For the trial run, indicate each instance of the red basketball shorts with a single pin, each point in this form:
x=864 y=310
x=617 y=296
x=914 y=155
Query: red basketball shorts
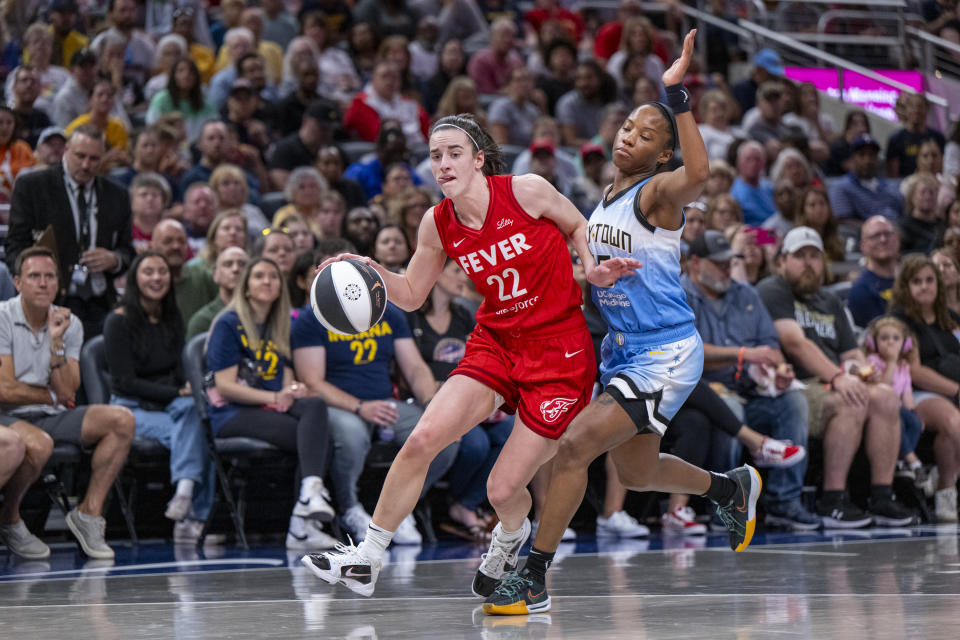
x=546 y=381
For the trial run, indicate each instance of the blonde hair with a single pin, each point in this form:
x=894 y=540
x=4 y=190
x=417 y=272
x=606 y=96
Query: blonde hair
x=447 y=106
x=873 y=330
x=224 y=171
x=278 y=320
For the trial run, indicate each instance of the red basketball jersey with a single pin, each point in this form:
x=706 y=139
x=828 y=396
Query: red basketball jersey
x=519 y=264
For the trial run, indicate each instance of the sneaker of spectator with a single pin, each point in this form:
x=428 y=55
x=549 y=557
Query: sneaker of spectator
x=89 y=532
x=21 y=542
x=356 y=520
x=682 y=520
x=887 y=512
x=792 y=515
x=407 y=532
x=620 y=525
x=945 y=501
x=778 y=453
x=839 y=512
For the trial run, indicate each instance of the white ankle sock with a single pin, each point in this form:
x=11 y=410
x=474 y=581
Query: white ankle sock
x=310 y=486
x=509 y=535
x=185 y=487
x=375 y=543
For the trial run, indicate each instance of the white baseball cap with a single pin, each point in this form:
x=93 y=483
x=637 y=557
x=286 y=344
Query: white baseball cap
x=800 y=237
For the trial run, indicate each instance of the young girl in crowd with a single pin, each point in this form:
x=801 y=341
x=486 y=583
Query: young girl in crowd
x=888 y=345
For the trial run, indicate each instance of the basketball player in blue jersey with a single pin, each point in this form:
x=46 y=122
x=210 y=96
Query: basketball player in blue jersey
x=652 y=354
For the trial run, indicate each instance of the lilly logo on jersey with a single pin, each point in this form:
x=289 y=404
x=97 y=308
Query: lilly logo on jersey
x=503 y=223
x=553 y=409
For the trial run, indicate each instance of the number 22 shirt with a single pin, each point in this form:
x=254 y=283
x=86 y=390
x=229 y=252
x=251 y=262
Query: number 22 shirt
x=357 y=364
x=227 y=347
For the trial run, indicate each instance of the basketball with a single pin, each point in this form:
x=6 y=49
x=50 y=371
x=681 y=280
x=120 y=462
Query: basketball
x=348 y=297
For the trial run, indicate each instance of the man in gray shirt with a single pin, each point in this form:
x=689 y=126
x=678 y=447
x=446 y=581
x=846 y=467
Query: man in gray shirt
x=39 y=377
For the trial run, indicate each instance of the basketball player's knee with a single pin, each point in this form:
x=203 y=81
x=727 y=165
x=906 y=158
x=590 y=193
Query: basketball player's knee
x=501 y=493
x=573 y=452
x=423 y=445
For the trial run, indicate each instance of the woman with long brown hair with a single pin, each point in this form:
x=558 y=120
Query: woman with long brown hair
x=919 y=299
x=814 y=211
x=254 y=393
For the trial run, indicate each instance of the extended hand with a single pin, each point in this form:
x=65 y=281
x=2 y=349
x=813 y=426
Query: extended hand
x=677 y=71
x=609 y=271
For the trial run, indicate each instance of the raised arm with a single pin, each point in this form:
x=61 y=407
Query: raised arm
x=539 y=199
x=410 y=289
x=670 y=191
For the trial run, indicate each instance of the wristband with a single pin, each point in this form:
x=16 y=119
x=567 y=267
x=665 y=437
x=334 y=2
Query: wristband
x=678 y=98
x=359 y=404
x=53 y=397
x=834 y=379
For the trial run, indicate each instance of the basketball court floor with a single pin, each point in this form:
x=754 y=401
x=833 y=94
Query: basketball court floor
x=884 y=584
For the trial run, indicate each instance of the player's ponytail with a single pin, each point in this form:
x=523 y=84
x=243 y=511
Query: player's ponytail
x=480 y=140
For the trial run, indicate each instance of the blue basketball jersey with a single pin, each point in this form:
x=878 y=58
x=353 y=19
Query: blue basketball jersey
x=651 y=302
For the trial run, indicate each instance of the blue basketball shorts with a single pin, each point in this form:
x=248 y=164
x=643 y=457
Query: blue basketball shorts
x=650 y=381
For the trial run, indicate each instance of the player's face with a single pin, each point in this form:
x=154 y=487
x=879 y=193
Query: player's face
x=641 y=141
x=453 y=162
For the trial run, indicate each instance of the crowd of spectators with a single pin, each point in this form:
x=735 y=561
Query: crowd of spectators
x=174 y=168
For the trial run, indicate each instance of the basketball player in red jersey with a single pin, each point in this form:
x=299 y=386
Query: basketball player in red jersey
x=530 y=351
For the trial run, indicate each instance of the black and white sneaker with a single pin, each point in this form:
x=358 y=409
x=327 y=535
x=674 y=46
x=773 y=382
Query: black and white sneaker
x=843 y=514
x=344 y=565
x=498 y=560
x=887 y=512
x=317 y=506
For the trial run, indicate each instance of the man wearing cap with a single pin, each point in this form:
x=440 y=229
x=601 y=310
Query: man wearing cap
x=30 y=120
x=62 y=15
x=739 y=339
x=862 y=193
x=50 y=147
x=300 y=148
x=767 y=65
x=543 y=162
x=819 y=342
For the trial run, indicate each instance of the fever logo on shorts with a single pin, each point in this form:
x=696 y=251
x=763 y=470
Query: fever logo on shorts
x=553 y=409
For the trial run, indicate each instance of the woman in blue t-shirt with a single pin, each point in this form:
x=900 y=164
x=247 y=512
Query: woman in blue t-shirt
x=254 y=394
